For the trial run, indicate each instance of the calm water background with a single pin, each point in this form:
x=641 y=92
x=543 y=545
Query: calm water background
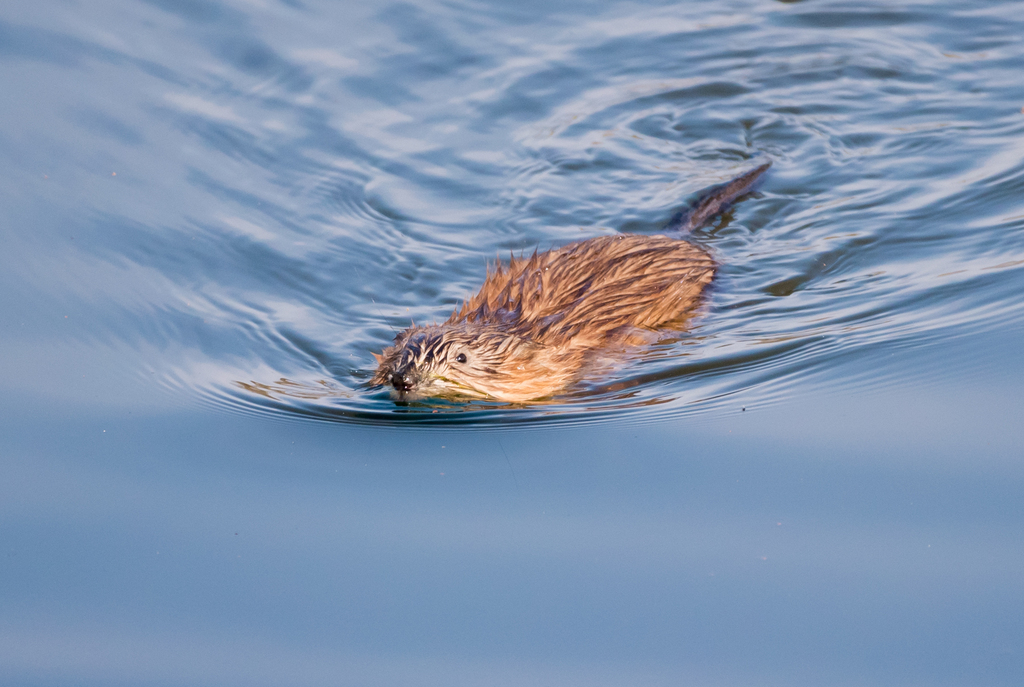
x=213 y=212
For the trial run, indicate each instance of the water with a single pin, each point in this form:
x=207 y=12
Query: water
x=214 y=212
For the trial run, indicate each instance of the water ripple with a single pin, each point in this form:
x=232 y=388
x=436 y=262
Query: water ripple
x=286 y=200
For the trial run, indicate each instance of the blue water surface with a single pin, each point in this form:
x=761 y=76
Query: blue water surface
x=213 y=212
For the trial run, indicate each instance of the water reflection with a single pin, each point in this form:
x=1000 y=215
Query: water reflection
x=286 y=388
x=215 y=211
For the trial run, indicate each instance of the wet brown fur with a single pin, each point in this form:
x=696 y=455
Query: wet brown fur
x=536 y=321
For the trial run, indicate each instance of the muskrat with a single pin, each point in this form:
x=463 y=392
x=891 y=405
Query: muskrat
x=537 y=321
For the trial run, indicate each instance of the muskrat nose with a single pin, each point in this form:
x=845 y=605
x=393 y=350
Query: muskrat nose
x=403 y=380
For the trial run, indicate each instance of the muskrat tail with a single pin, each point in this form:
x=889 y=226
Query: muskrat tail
x=713 y=201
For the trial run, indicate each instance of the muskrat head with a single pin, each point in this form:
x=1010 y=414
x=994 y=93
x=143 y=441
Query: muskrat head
x=464 y=360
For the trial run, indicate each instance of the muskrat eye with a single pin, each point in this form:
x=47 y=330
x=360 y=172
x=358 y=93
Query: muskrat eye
x=460 y=358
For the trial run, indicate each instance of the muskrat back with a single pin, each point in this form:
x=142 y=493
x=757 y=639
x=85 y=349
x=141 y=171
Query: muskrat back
x=535 y=322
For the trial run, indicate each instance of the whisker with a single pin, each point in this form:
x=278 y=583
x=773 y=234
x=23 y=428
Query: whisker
x=381 y=315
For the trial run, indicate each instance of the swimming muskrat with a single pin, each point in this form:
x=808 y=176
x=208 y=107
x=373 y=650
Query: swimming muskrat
x=537 y=321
